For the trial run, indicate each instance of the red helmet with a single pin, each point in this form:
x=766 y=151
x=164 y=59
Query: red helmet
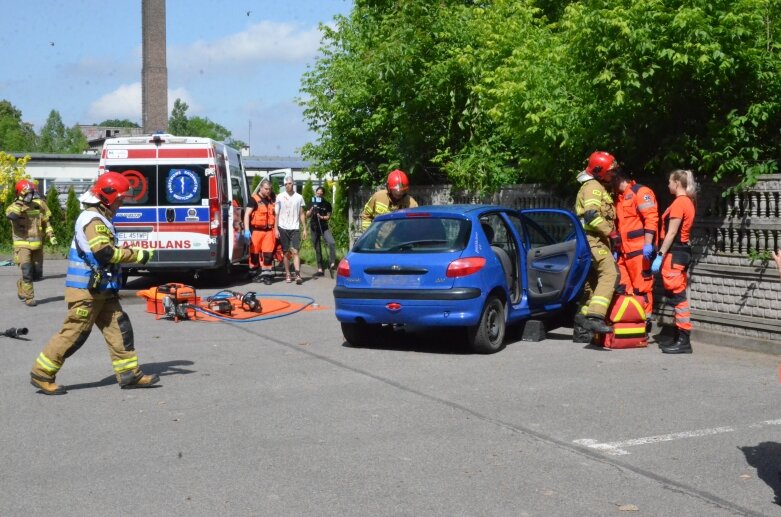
x=398 y=182
x=601 y=166
x=110 y=186
x=24 y=186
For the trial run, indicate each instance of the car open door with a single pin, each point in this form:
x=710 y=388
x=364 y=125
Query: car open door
x=557 y=257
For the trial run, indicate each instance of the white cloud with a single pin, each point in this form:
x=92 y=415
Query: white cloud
x=125 y=102
x=262 y=42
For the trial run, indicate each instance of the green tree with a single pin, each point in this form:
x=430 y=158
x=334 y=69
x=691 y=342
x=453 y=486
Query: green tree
x=480 y=94
x=52 y=137
x=75 y=141
x=72 y=211
x=57 y=216
x=11 y=171
x=115 y=122
x=15 y=135
x=179 y=124
x=308 y=191
x=255 y=182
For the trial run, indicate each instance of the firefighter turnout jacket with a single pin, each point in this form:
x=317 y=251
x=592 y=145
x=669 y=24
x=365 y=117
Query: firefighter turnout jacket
x=29 y=223
x=94 y=257
x=382 y=203
x=594 y=206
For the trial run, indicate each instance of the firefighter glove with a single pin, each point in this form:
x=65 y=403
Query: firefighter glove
x=657 y=265
x=648 y=252
x=143 y=256
x=247 y=235
x=53 y=240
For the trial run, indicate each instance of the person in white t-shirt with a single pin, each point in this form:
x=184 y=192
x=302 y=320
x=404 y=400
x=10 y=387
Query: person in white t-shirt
x=289 y=226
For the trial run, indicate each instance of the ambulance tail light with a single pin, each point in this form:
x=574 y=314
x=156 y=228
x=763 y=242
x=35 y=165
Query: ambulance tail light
x=215 y=218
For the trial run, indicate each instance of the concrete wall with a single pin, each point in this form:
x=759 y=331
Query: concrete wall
x=735 y=300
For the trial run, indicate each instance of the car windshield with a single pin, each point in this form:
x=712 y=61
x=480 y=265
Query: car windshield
x=415 y=235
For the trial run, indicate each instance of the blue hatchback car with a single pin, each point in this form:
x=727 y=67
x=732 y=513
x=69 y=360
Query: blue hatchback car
x=481 y=267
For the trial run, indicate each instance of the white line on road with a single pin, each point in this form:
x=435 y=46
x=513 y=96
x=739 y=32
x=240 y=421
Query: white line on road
x=617 y=448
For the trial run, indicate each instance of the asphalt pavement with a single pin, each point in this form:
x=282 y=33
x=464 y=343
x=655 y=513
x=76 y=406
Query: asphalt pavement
x=281 y=417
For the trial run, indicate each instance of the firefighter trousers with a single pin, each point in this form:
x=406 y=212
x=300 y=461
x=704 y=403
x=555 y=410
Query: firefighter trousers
x=601 y=282
x=636 y=278
x=30 y=264
x=84 y=311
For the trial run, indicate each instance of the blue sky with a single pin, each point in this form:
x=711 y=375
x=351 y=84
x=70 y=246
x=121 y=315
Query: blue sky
x=83 y=59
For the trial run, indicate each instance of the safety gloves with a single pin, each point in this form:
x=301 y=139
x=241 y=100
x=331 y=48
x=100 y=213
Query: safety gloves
x=247 y=235
x=143 y=256
x=657 y=264
x=53 y=240
x=648 y=252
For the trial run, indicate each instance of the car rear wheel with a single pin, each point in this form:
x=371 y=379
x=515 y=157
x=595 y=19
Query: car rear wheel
x=487 y=336
x=360 y=334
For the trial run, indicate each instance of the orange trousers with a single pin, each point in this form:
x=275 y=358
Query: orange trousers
x=675 y=279
x=637 y=279
x=261 y=249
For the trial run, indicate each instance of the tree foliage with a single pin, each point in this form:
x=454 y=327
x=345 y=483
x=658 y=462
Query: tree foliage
x=11 y=171
x=115 y=122
x=489 y=93
x=15 y=135
x=179 y=124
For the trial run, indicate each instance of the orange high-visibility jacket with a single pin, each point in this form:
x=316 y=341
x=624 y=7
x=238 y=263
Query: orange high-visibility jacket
x=638 y=215
x=263 y=216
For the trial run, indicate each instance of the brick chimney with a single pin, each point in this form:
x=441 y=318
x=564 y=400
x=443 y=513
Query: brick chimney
x=154 y=73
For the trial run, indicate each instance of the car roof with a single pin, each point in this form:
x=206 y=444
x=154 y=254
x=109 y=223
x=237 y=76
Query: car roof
x=445 y=210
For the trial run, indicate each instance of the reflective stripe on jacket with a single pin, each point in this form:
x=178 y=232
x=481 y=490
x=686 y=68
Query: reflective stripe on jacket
x=593 y=196
x=79 y=270
x=637 y=215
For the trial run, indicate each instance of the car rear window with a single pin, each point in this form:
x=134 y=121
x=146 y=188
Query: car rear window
x=415 y=235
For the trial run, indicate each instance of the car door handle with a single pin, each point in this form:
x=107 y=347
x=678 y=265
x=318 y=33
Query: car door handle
x=539 y=284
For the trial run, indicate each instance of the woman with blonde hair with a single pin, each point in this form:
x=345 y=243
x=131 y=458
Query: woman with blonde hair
x=675 y=255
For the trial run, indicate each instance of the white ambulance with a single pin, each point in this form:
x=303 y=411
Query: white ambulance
x=187 y=202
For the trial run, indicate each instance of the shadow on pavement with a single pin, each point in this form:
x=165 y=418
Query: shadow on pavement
x=162 y=369
x=766 y=458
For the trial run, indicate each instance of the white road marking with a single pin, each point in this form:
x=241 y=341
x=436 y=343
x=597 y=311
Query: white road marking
x=617 y=448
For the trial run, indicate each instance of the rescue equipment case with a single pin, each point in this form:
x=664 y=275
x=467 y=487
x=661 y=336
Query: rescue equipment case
x=627 y=318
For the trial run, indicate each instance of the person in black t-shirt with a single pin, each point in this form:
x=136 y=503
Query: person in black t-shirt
x=319 y=214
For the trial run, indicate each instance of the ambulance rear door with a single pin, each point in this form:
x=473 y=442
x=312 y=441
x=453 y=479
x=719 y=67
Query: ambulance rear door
x=169 y=210
x=238 y=248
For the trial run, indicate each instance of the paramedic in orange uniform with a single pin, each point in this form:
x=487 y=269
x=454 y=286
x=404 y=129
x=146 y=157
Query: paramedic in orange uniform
x=259 y=231
x=638 y=219
x=675 y=255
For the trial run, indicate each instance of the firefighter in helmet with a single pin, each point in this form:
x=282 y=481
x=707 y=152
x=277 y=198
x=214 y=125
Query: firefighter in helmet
x=29 y=218
x=394 y=197
x=91 y=291
x=594 y=206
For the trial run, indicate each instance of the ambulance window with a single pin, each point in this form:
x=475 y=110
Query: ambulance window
x=182 y=185
x=142 y=181
x=222 y=178
x=238 y=195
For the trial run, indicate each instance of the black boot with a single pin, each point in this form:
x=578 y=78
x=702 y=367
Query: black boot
x=682 y=344
x=597 y=324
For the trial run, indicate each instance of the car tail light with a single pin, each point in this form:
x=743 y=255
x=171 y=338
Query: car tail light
x=464 y=267
x=215 y=218
x=344 y=268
